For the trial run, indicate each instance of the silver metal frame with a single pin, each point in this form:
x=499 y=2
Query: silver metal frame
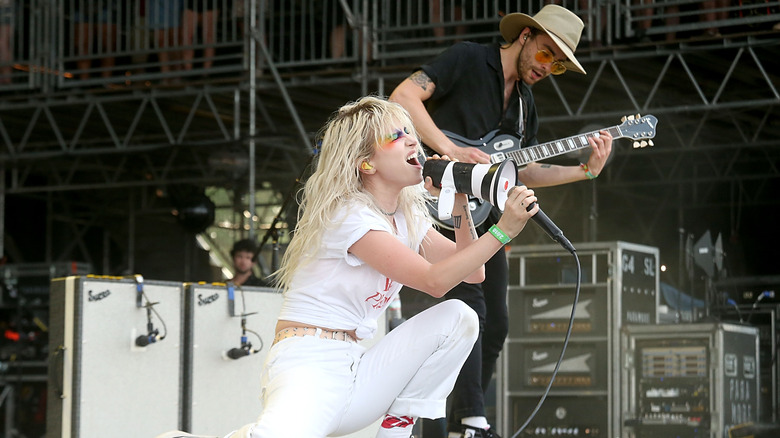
x=612 y=253
x=107 y=135
x=713 y=334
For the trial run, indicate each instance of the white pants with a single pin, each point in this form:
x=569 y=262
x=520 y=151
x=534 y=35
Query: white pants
x=315 y=387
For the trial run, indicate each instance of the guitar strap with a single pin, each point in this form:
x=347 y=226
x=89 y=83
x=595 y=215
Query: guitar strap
x=523 y=109
x=522 y=122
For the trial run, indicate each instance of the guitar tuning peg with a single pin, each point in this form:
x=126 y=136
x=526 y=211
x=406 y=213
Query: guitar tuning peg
x=642 y=144
x=638 y=116
x=636 y=144
x=623 y=119
x=631 y=117
x=650 y=143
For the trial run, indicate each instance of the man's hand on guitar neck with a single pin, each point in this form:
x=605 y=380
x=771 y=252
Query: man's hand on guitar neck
x=467 y=154
x=601 y=147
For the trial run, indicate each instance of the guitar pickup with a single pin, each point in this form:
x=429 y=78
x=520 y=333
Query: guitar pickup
x=497 y=158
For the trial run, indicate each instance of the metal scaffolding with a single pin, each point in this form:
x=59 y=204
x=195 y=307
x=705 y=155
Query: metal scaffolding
x=74 y=128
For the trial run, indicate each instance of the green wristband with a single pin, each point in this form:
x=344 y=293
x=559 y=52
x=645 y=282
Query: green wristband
x=499 y=235
x=588 y=173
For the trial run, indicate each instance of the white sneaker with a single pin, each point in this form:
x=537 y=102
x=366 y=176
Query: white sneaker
x=476 y=432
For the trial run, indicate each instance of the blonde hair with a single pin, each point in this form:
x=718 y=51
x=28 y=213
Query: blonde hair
x=350 y=137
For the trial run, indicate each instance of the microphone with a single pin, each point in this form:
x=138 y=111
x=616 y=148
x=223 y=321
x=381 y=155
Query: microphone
x=551 y=229
x=238 y=353
x=151 y=338
x=549 y=226
x=246 y=347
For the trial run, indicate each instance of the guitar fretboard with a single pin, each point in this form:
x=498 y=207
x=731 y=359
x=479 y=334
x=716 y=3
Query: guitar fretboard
x=558 y=147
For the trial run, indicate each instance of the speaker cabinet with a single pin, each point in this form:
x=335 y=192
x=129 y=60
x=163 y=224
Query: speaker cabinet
x=620 y=285
x=225 y=393
x=101 y=383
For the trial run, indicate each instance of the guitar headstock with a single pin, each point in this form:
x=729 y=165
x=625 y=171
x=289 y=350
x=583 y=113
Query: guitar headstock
x=638 y=128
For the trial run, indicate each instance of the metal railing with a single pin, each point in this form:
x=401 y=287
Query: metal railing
x=49 y=45
x=19 y=50
x=59 y=44
x=404 y=28
x=103 y=42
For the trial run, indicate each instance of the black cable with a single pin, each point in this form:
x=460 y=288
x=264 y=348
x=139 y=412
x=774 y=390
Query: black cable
x=726 y=302
x=244 y=330
x=739 y=314
x=273 y=232
x=260 y=348
x=563 y=350
x=150 y=307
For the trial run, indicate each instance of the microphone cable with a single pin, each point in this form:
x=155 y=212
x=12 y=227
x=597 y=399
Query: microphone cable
x=246 y=346
x=725 y=303
x=243 y=321
x=152 y=332
x=563 y=350
x=759 y=298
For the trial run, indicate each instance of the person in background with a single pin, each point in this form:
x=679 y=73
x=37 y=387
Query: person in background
x=714 y=11
x=203 y=14
x=95 y=32
x=7 y=16
x=244 y=254
x=642 y=25
x=470 y=90
x=164 y=18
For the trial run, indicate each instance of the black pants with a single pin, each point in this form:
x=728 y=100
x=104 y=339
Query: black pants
x=489 y=301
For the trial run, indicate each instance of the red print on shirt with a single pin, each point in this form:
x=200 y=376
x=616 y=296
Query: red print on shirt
x=379 y=299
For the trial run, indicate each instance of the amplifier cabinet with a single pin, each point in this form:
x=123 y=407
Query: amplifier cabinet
x=225 y=392
x=619 y=285
x=101 y=382
x=543 y=312
x=584 y=366
x=764 y=317
x=562 y=416
x=689 y=380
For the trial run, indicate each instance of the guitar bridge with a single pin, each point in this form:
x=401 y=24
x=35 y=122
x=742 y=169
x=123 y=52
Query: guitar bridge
x=498 y=157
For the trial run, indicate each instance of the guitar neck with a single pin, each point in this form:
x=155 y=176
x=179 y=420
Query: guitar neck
x=557 y=147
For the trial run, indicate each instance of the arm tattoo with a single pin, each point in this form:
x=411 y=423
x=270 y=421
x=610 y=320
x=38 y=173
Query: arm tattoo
x=457 y=222
x=471 y=226
x=545 y=165
x=421 y=79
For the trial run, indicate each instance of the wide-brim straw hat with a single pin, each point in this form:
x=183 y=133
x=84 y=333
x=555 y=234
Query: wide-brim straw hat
x=561 y=24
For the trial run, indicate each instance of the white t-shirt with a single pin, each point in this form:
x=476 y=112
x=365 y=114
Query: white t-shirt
x=337 y=290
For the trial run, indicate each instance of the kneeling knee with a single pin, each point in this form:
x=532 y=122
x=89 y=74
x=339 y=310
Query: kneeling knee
x=468 y=321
